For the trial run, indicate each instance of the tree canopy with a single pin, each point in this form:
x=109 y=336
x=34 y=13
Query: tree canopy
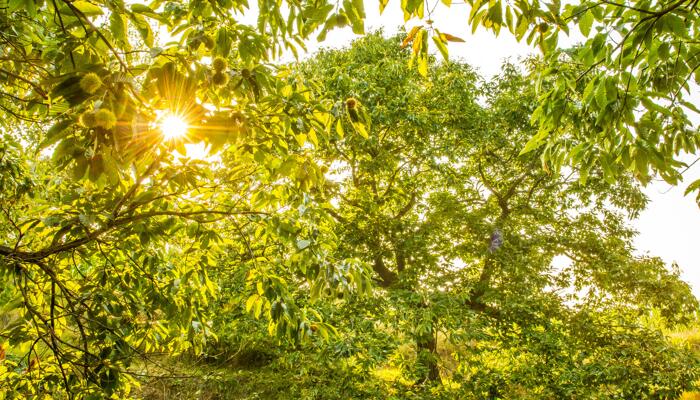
x=460 y=230
x=160 y=172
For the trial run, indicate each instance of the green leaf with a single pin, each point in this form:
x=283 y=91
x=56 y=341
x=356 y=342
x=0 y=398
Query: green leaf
x=585 y=23
x=521 y=28
x=690 y=106
x=118 y=27
x=142 y=9
x=57 y=132
x=356 y=21
x=223 y=42
x=608 y=173
x=588 y=91
x=509 y=18
x=695 y=185
x=495 y=15
x=649 y=104
x=576 y=153
x=413 y=7
x=144 y=29
x=359 y=7
x=316 y=288
x=287 y=167
x=601 y=95
x=534 y=142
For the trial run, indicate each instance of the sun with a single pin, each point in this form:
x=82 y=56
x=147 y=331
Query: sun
x=173 y=126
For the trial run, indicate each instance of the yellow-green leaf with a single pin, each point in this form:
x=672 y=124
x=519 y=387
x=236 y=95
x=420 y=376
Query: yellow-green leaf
x=87 y=8
x=250 y=302
x=441 y=46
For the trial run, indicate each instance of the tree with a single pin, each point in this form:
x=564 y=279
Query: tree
x=461 y=230
x=110 y=227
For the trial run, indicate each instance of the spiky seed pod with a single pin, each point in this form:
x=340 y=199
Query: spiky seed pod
x=105 y=119
x=219 y=64
x=87 y=119
x=351 y=105
x=90 y=82
x=219 y=79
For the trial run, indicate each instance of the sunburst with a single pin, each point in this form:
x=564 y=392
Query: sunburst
x=173 y=126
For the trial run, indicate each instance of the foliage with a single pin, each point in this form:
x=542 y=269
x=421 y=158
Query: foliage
x=461 y=231
x=110 y=228
x=120 y=243
x=619 y=100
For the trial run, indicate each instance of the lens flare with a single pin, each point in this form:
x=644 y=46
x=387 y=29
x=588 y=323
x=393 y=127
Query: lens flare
x=173 y=127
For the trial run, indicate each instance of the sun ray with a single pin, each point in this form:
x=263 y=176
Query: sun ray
x=173 y=126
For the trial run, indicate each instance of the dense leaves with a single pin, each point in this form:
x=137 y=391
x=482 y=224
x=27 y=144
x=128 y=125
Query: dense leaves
x=462 y=231
x=164 y=183
x=110 y=226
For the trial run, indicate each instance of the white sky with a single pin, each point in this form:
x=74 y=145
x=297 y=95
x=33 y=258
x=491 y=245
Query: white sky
x=668 y=228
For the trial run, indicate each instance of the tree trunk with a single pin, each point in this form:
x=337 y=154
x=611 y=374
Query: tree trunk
x=426 y=347
x=386 y=276
x=426 y=343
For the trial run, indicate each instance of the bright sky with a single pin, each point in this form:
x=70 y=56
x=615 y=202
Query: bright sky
x=668 y=228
